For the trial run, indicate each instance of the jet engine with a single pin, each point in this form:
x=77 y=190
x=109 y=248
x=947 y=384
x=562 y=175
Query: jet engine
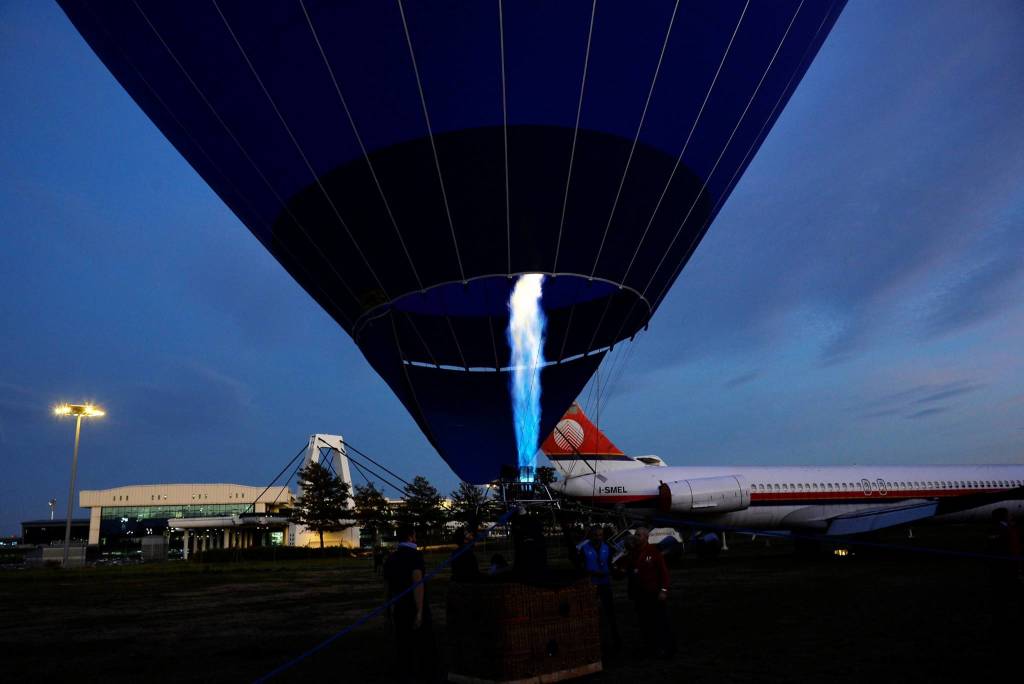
x=704 y=495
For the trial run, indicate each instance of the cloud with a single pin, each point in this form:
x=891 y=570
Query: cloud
x=907 y=402
x=880 y=413
x=191 y=396
x=953 y=391
x=927 y=412
x=742 y=379
x=981 y=294
x=862 y=214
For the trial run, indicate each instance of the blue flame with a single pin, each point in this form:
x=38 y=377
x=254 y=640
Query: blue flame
x=526 y=328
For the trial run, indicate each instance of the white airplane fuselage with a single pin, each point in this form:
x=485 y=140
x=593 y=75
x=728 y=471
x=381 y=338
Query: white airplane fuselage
x=760 y=497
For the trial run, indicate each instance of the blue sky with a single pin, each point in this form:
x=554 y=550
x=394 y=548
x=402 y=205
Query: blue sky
x=858 y=300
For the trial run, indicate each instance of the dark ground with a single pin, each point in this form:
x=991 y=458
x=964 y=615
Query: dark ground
x=756 y=613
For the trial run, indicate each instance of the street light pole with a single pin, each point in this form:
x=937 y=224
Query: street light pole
x=71 y=490
x=79 y=411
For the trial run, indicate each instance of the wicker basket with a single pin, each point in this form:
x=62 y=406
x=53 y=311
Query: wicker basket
x=510 y=632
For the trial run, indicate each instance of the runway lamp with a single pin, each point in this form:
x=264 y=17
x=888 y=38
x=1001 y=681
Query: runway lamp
x=79 y=411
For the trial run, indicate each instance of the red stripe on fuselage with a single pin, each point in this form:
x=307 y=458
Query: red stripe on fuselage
x=798 y=497
x=806 y=497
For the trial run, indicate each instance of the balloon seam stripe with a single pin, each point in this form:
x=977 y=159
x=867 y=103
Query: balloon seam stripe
x=575 y=134
x=252 y=162
x=362 y=145
x=298 y=148
x=430 y=135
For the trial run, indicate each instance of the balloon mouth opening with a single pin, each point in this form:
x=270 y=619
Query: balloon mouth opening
x=461 y=326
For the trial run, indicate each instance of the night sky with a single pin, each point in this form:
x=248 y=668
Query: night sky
x=858 y=300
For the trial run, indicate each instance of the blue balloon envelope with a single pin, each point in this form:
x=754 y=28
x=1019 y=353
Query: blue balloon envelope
x=404 y=161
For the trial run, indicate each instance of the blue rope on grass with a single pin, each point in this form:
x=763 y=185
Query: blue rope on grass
x=384 y=606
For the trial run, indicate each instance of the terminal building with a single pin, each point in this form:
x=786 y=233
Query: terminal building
x=199 y=517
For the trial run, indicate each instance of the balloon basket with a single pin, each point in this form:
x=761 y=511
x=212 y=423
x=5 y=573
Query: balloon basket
x=515 y=633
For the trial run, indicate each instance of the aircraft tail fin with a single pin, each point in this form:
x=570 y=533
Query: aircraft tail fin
x=577 y=446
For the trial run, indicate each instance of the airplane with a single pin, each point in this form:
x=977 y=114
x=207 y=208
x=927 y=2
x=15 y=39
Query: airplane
x=825 y=500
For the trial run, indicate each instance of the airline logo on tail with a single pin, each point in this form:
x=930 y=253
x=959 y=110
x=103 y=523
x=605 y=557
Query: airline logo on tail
x=575 y=438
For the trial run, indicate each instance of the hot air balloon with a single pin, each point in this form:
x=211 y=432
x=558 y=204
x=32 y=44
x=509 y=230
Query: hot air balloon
x=405 y=161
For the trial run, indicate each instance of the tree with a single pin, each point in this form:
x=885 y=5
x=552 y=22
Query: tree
x=323 y=506
x=423 y=507
x=545 y=475
x=372 y=510
x=469 y=504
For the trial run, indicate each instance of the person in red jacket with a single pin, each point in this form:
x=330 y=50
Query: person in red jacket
x=649 y=587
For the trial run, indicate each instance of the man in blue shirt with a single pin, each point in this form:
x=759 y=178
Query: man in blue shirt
x=597 y=560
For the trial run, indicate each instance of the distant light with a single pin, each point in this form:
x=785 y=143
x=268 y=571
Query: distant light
x=840 y=552
x=84 y=410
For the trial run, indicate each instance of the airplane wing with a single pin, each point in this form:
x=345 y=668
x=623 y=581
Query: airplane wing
x=878 y=518
x=871 y=519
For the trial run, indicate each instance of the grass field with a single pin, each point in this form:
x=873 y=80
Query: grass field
x=755 y=613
